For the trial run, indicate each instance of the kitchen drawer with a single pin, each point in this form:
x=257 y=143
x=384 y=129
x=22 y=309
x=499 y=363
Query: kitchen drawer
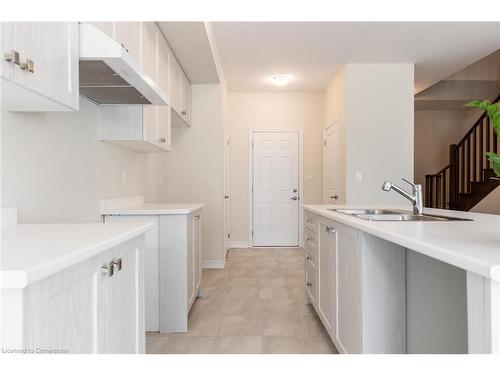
x=311 y=242
x=311 y=283
x=311 y=222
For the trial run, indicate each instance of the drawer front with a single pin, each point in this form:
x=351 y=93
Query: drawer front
x=311 y=241
x=311 y=222
x=311 y=283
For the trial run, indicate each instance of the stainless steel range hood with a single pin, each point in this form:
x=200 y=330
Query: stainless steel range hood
x=109 y=75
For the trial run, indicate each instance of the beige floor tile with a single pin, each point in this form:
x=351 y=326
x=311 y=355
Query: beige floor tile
x=156 y=344
x=239 y=325
x=205 y=307
x=203 y=326
x=271 y=265
x=241 y=292
x=213 y=292
x=242 y=272
x=279 y=307
x=314 y=325
x=275 y=293
x=246 y=306
x=298 y=293
x=284 y=345
x=295 y=281
x=191 y=345
x=321 y=345
x=305 y=309
x=270 y=272
x=239 y=345
x=242 y=281
x=298 y=272
x=243 y=265
x=292 y=266
x=274 y=325
x=269 y=282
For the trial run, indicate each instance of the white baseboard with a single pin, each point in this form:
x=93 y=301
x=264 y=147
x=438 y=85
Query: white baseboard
x=213 y=264
x=239 y=245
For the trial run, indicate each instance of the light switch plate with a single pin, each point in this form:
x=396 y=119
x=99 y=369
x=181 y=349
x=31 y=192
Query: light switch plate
x=358 y=176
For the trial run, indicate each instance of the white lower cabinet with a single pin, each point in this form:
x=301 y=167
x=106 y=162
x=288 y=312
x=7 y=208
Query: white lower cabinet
x=85 y=308
x=360 y=296
x=172 y=268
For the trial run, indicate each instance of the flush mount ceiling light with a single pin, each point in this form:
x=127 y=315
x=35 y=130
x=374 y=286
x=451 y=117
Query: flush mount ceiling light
x=282 y=79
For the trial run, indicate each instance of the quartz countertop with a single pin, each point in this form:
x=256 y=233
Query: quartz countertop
x=31 y=252
x=470 y=245
x=154 y=209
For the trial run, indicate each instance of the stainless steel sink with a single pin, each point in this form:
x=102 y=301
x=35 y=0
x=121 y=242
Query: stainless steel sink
x=393 y=215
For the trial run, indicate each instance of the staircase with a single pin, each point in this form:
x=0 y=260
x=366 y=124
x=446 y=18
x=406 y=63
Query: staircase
x=468 y=178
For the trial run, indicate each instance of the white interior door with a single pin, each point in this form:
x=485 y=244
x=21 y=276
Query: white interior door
x=227 y=225
x=275 y=188
x=331 y=163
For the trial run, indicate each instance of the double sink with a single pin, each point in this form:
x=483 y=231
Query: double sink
x=375 y=214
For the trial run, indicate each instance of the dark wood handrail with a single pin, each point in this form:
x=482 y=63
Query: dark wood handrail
x=468 y=164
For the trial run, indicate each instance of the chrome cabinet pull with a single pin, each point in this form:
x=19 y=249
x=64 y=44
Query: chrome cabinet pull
x=108 y=269
x=28 y=65
x=334 y=197
x=308 y=257
x=118 y=264
x=293 y=198
x=309 y=284
x=184 y=113
x=197 y=217
x=13 y=56
x=163 y=140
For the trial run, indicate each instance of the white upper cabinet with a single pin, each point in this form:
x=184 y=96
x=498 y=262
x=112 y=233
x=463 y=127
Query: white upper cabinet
x=129 y=35
x=174 y=83
x=40 y=66
x=163 y=57
x=150 y=49
x=107 y=28
x=185 y=95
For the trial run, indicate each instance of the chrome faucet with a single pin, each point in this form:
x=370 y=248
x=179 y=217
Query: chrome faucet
x=415 y=197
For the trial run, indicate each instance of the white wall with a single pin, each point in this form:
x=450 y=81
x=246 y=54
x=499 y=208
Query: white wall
x=194 y=170
x=378 y=130
x=266 y=111
x=55 y=169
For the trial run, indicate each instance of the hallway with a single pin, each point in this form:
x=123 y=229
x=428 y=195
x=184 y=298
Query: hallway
x=254 y=305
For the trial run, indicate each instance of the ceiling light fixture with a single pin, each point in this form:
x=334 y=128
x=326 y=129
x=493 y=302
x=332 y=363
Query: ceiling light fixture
x=282 y=79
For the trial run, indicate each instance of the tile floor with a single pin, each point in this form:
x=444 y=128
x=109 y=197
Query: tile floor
x=254 y=305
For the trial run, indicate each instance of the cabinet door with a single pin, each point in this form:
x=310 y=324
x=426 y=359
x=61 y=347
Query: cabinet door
x=174 y=83
x=55 y=55
x=7 y=44
x=190 y=261
x=164 y=127
x=129 y=35
x=150 y=123
x=327 y=276
x=163 y=56
x=150 y=49
x=185 y=94
x=124 y=328
x=349 y=292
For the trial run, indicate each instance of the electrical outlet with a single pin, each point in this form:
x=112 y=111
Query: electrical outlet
x=358 y=176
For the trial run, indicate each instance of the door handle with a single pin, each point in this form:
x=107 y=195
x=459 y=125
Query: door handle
x=294 y=198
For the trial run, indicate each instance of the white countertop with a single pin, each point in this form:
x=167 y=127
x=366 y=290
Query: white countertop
x=31 y=252
x=154 y=209
x=470 y=245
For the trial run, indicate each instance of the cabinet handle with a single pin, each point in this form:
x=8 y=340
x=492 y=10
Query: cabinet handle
x=28 y=65
x=184 y=113
x=197 y=217
x=108 y=269
x=163 y=140
x=125 y=48
x=308 y=257
x=309 y=284
x=13 y=56
x=334 y=197
x=118 y=263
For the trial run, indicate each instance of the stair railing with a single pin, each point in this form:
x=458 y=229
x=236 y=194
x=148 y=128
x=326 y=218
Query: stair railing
x=468 y=164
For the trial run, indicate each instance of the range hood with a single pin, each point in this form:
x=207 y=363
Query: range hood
x=109 y=75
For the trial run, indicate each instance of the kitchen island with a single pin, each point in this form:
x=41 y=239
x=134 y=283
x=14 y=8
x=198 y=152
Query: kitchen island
x=356 y=274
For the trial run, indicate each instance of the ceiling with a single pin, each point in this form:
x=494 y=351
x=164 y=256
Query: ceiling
x=189 y=43
x=250 y=52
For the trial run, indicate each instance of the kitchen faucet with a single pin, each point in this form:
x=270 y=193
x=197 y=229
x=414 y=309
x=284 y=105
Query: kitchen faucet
x=415 y=197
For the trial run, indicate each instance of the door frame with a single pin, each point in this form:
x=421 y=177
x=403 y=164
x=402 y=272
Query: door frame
x=226 y=150
x=251 y=132
x=325 y=182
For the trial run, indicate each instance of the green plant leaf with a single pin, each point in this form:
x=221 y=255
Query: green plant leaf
x=474 y=103
x=495 y=161
x=492 y=110
x=495 y=121
x=484 y=104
